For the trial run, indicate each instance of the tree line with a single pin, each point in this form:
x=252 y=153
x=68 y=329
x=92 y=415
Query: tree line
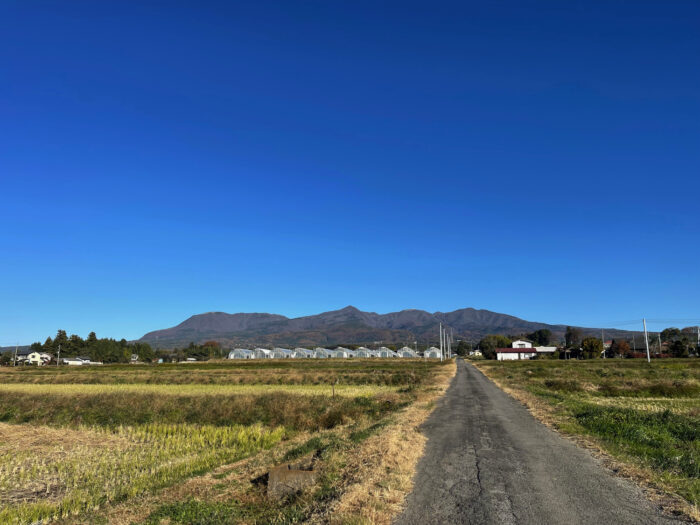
x=671 y=342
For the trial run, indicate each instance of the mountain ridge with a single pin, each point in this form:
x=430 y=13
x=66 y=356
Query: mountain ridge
x=348 y=325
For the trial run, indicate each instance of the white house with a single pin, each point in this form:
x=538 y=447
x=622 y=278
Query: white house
x=407 y=352
x=241 y=353
x=262 y=353
x=522 y=344
x=432 y=353
x=508 y=354
x=546 y=350
x=76 y=361
x=38 y=358
x=475 y=353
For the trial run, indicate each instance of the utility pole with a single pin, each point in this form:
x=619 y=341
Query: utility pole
x=441 y=353
x=646 y=340
x=58 y=359
x=602 y=338
x=14 y=361
x=659 y=338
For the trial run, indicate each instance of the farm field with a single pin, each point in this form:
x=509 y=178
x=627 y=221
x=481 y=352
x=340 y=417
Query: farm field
x=184 y=443
x=646 y=416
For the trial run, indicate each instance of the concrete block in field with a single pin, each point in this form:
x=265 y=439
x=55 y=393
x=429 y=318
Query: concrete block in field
x=290 y=478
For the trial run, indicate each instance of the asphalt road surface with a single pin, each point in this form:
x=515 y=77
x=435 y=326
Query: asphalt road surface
x=488 y=460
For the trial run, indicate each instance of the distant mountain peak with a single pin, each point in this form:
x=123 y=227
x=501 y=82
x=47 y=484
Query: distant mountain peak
x=348 y=325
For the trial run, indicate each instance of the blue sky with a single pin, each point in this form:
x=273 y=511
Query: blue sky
x=165 y=159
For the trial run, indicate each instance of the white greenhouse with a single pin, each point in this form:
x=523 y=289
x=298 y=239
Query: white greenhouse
x=262 y=353
x=303 y=353
x=283 y=353
x=241 y=353
x=407 y=352
x=322 y=353
x=363 y=352
x=387 y=352
x=432 y=353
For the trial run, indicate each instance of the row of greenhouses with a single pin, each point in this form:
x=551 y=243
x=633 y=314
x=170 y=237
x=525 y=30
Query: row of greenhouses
x=328 y=353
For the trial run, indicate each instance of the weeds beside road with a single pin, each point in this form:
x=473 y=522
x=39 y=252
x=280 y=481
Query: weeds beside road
x=645 y=415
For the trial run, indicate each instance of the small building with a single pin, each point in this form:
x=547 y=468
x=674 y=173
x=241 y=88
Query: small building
x=520 y=343
x=75 y=361
x=407 y=352
x=475 y=353
x=37 y=358
x=241 y=353
x=432 y=353
x=510 y=354
x=546 y=350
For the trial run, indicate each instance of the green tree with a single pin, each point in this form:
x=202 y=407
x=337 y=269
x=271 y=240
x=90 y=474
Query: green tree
x=540 y=337
x=489 y=344
x=669 y=335
x=573 y=337
x=60 y=339
x=5 y=358
x=462 y=348
x=679 y=348
x=592 y=347
x=620 y=347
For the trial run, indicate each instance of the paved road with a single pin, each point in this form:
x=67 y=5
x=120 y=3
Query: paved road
x=488 y=460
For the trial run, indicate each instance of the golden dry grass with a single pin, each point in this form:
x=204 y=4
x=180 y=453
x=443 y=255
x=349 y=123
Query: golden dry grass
x=195 y=389
x=379 y=474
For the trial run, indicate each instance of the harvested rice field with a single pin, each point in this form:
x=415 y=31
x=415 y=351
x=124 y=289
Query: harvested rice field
x=190 y=443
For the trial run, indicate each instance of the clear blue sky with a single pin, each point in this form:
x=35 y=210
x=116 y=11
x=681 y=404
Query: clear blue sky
x=164 y=159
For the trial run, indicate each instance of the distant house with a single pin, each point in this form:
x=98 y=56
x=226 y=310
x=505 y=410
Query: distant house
x=241 y=353
x=432 y=353
x=407 y=352
x=22 y=356
x=37 y=358
x=546 y=350
x=475 y=353
x=522 y=344
x=75 y=361
x=509 y=354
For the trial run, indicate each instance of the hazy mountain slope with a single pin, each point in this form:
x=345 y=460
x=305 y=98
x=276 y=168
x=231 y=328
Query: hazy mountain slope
x=347 y=325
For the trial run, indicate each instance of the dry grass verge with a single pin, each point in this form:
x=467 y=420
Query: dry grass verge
x=379 y=474
x=651 y=483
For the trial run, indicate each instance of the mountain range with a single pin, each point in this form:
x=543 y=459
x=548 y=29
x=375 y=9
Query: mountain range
x=348 y=326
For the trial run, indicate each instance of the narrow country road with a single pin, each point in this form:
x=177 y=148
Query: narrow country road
x=488 y=460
